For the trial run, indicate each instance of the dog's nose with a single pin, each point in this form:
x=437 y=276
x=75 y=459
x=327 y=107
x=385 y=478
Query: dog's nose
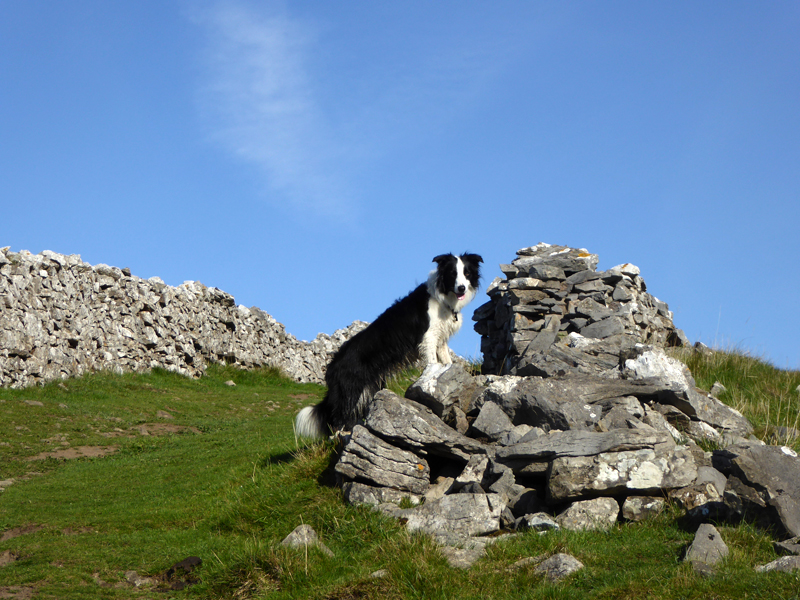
x=462 y=289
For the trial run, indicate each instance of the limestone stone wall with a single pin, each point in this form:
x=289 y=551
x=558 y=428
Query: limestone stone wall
x=61 y=317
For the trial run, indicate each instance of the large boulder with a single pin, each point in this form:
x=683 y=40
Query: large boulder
x=765 y=482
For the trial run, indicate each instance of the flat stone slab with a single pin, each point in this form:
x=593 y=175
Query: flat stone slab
x=456 y=515
x=410 y=425
x=580 y=443
x=786 y=564
x=367 y=457
x=637 y=472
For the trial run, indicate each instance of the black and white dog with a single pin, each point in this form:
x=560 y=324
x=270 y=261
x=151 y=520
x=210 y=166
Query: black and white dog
x=415 y=327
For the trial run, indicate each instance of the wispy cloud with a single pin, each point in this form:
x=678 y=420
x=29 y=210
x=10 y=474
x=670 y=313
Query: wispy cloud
x=260 y=102
x=265 y=102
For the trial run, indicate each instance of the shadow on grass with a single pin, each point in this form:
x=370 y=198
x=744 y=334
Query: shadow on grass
x=328 y=477
x=280 y=459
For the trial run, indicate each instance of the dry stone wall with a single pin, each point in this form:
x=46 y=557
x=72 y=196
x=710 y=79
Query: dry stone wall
x=61 y=317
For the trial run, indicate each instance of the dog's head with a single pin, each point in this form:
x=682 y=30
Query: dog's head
x=459 y=276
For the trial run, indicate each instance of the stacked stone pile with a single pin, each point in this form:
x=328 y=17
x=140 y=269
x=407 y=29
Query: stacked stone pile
x=61 y=317
x=474 y=456
x=554 y=313
x=579 y=420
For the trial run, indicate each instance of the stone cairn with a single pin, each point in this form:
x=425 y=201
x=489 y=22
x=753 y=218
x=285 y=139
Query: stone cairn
x=586 y=426
x=555 y=314
x=61 y=317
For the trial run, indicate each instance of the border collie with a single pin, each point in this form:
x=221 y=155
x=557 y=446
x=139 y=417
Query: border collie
x=415 y=327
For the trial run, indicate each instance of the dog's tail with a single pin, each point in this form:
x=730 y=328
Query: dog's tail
x=311 y=423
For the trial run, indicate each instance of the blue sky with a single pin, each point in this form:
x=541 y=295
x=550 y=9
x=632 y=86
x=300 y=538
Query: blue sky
x=311 y=158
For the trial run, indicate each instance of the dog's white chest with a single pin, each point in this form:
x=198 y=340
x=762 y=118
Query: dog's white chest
x=443 y=324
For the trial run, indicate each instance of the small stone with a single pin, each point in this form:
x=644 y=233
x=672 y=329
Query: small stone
x=790 y=546
x=707 y=549
x=304 y=536
x=786 y=564
x=137 y=580
x=640 y=508
x=558 y=566
x=379 y=574
x=462 y=558
x=717 y=389
x=540 y=522
x=230 y=383
x=600 y=513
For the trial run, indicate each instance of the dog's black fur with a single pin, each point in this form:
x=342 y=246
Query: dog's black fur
x=416 y=326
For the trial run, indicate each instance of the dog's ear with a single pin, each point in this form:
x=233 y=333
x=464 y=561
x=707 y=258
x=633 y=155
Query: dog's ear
x=442 y=258
x=475 y=258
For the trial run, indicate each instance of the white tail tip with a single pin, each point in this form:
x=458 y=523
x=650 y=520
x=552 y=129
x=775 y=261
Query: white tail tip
x=307 y=423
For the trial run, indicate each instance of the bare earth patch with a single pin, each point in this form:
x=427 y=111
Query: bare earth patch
x=298 y=397
x=164 y=429
x=77 y=452
x=16 y=592
x=18 y=531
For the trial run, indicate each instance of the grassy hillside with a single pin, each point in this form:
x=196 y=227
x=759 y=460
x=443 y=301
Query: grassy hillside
x=202 y=468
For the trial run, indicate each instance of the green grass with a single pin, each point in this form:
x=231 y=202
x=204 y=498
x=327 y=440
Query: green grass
x=232 y=483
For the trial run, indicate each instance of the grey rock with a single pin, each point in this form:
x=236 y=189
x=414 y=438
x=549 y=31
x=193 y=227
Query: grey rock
x=460 y=515
x=536 y=522
x=356 y=493
x=641 y=508
x=702 y=500
x=410 y=425
x=640 y=472
x=444 y=387
x=474 y=471
x=599 y=513
x=787 y=564
x=568 y=403
x=516 y=434
x=603 y=329
x=571 y=260
x=491 y=423
x=654 y=366
x=546 y=271
x=558 y=566
x=706 y=474
x=304 y=536
x=368 y=458
x=706 y=550
x=579 y=443
x=790 y=546
x=462 y=558
x=773 y=475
